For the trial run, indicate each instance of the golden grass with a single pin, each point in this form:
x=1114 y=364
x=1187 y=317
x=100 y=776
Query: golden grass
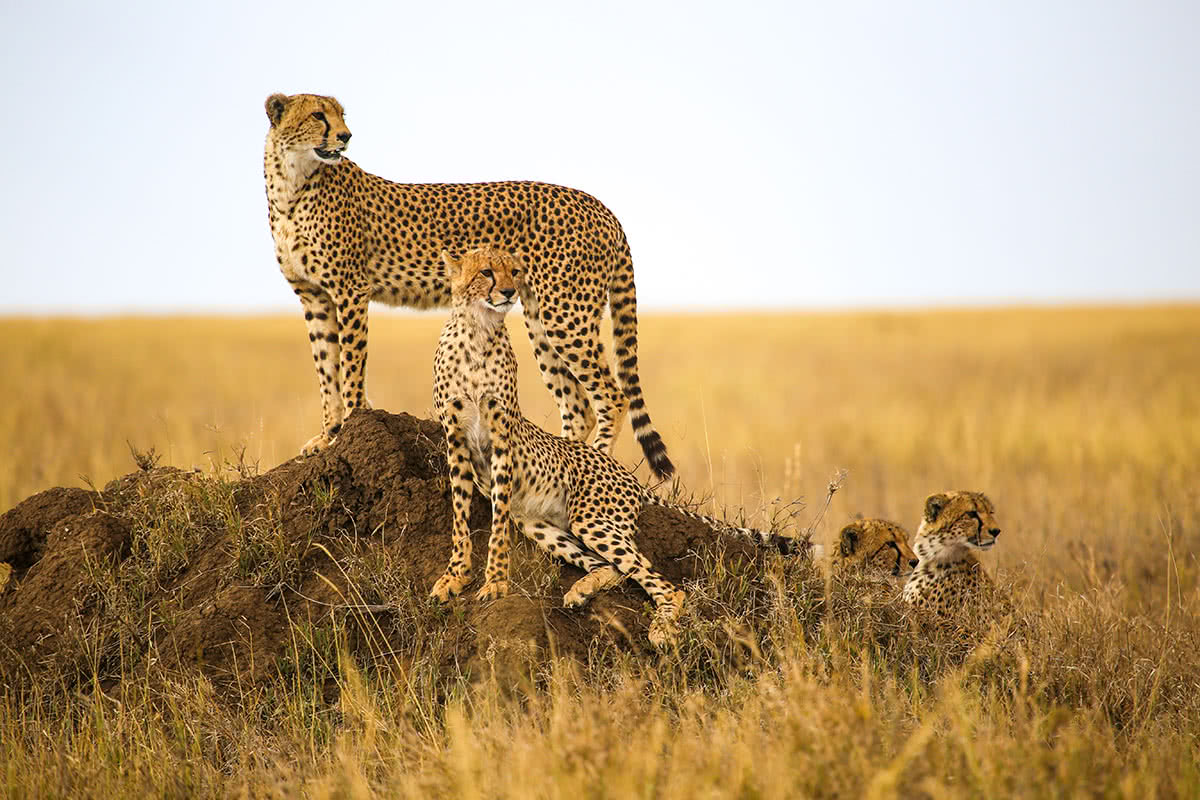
x=1083 y=425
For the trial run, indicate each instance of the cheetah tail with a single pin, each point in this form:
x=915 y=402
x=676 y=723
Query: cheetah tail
x=623 y=303
x=785 y=545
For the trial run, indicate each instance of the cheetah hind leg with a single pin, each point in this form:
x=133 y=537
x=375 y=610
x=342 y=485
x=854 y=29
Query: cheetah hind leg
x=601 y=574
x=615 y=540
x=598 y=580
x=578 y=418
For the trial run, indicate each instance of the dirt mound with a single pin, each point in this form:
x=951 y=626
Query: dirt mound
x=237 y=578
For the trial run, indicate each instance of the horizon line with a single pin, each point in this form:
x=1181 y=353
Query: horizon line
x=915 y=307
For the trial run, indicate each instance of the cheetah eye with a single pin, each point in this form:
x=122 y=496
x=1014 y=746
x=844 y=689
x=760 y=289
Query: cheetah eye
x=516 y=272
x=319 y=115
x=487 y=273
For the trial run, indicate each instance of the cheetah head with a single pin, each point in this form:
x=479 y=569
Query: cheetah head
x=308 y=125
x=485 y=278
x=956 y=519
x=874 y=545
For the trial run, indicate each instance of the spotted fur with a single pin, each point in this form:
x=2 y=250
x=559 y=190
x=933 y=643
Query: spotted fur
x=948 y=576
x=344 y=237
x=575 y=501
x=877 y=546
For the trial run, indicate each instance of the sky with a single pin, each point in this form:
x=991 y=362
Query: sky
x=759 y=155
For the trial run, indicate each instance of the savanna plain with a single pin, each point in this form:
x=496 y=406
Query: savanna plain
x=1081 y=424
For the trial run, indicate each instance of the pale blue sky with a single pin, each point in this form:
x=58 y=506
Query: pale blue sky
x=758 y=154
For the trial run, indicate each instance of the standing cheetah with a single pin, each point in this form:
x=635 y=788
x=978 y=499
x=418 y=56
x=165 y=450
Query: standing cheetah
x=948 y=573
x=575 y=501
x=344 y=237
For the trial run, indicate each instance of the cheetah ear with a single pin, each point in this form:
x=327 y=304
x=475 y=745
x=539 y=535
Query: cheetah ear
x=934 y=505
x=453 y=268
x=276 y=105
x=849 y=541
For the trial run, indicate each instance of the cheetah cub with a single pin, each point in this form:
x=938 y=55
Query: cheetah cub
x=948 y=574
x=876 y=546
x=573 y=500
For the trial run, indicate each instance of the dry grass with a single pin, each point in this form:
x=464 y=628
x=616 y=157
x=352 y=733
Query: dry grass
x=1082 y=424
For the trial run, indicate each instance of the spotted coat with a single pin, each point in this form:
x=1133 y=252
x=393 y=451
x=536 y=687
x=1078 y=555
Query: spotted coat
x=344 y=237
x=948 y=576
x=875 y=545
x=573 y=500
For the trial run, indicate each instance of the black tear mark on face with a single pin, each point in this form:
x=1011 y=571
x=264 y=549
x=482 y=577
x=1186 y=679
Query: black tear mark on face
x=319 y=116
x=896 y=549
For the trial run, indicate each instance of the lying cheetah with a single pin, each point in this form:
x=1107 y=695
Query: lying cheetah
x=575 y=501
x=948 y=574
x=344 y=237
x=875 y=545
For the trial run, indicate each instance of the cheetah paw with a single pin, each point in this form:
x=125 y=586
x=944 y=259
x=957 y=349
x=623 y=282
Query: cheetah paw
x=492 y=590
x=662 y=633
x=317 y=443
x=590 y=585
x=663 y=629
x=449 y=585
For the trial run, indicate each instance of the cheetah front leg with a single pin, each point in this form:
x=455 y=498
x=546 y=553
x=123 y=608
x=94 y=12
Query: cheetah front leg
x=500 y=430
x=462 y=485
x=320 y=317
x=352 y=365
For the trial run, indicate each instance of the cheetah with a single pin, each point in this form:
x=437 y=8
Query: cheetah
x=948 y=574
x=344 y=237
x=874 y=545
x=573 y=500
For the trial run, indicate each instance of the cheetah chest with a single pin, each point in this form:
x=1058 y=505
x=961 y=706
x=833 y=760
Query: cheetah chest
x=291 y=248
x=479 y=441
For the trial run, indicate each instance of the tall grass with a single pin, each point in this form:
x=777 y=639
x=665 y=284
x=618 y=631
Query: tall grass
x=1082 y=424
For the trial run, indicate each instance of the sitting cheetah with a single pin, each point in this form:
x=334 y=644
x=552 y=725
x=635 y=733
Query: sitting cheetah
x=876 y=545
x=344 y=237
x=575 y=501
x=948 y=574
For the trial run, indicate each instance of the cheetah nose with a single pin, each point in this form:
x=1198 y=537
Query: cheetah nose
x=912 y=562
x=344 y=137
x=994 y=532
x=508 y=293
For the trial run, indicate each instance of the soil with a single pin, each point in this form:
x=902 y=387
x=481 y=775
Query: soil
x=378 y=495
